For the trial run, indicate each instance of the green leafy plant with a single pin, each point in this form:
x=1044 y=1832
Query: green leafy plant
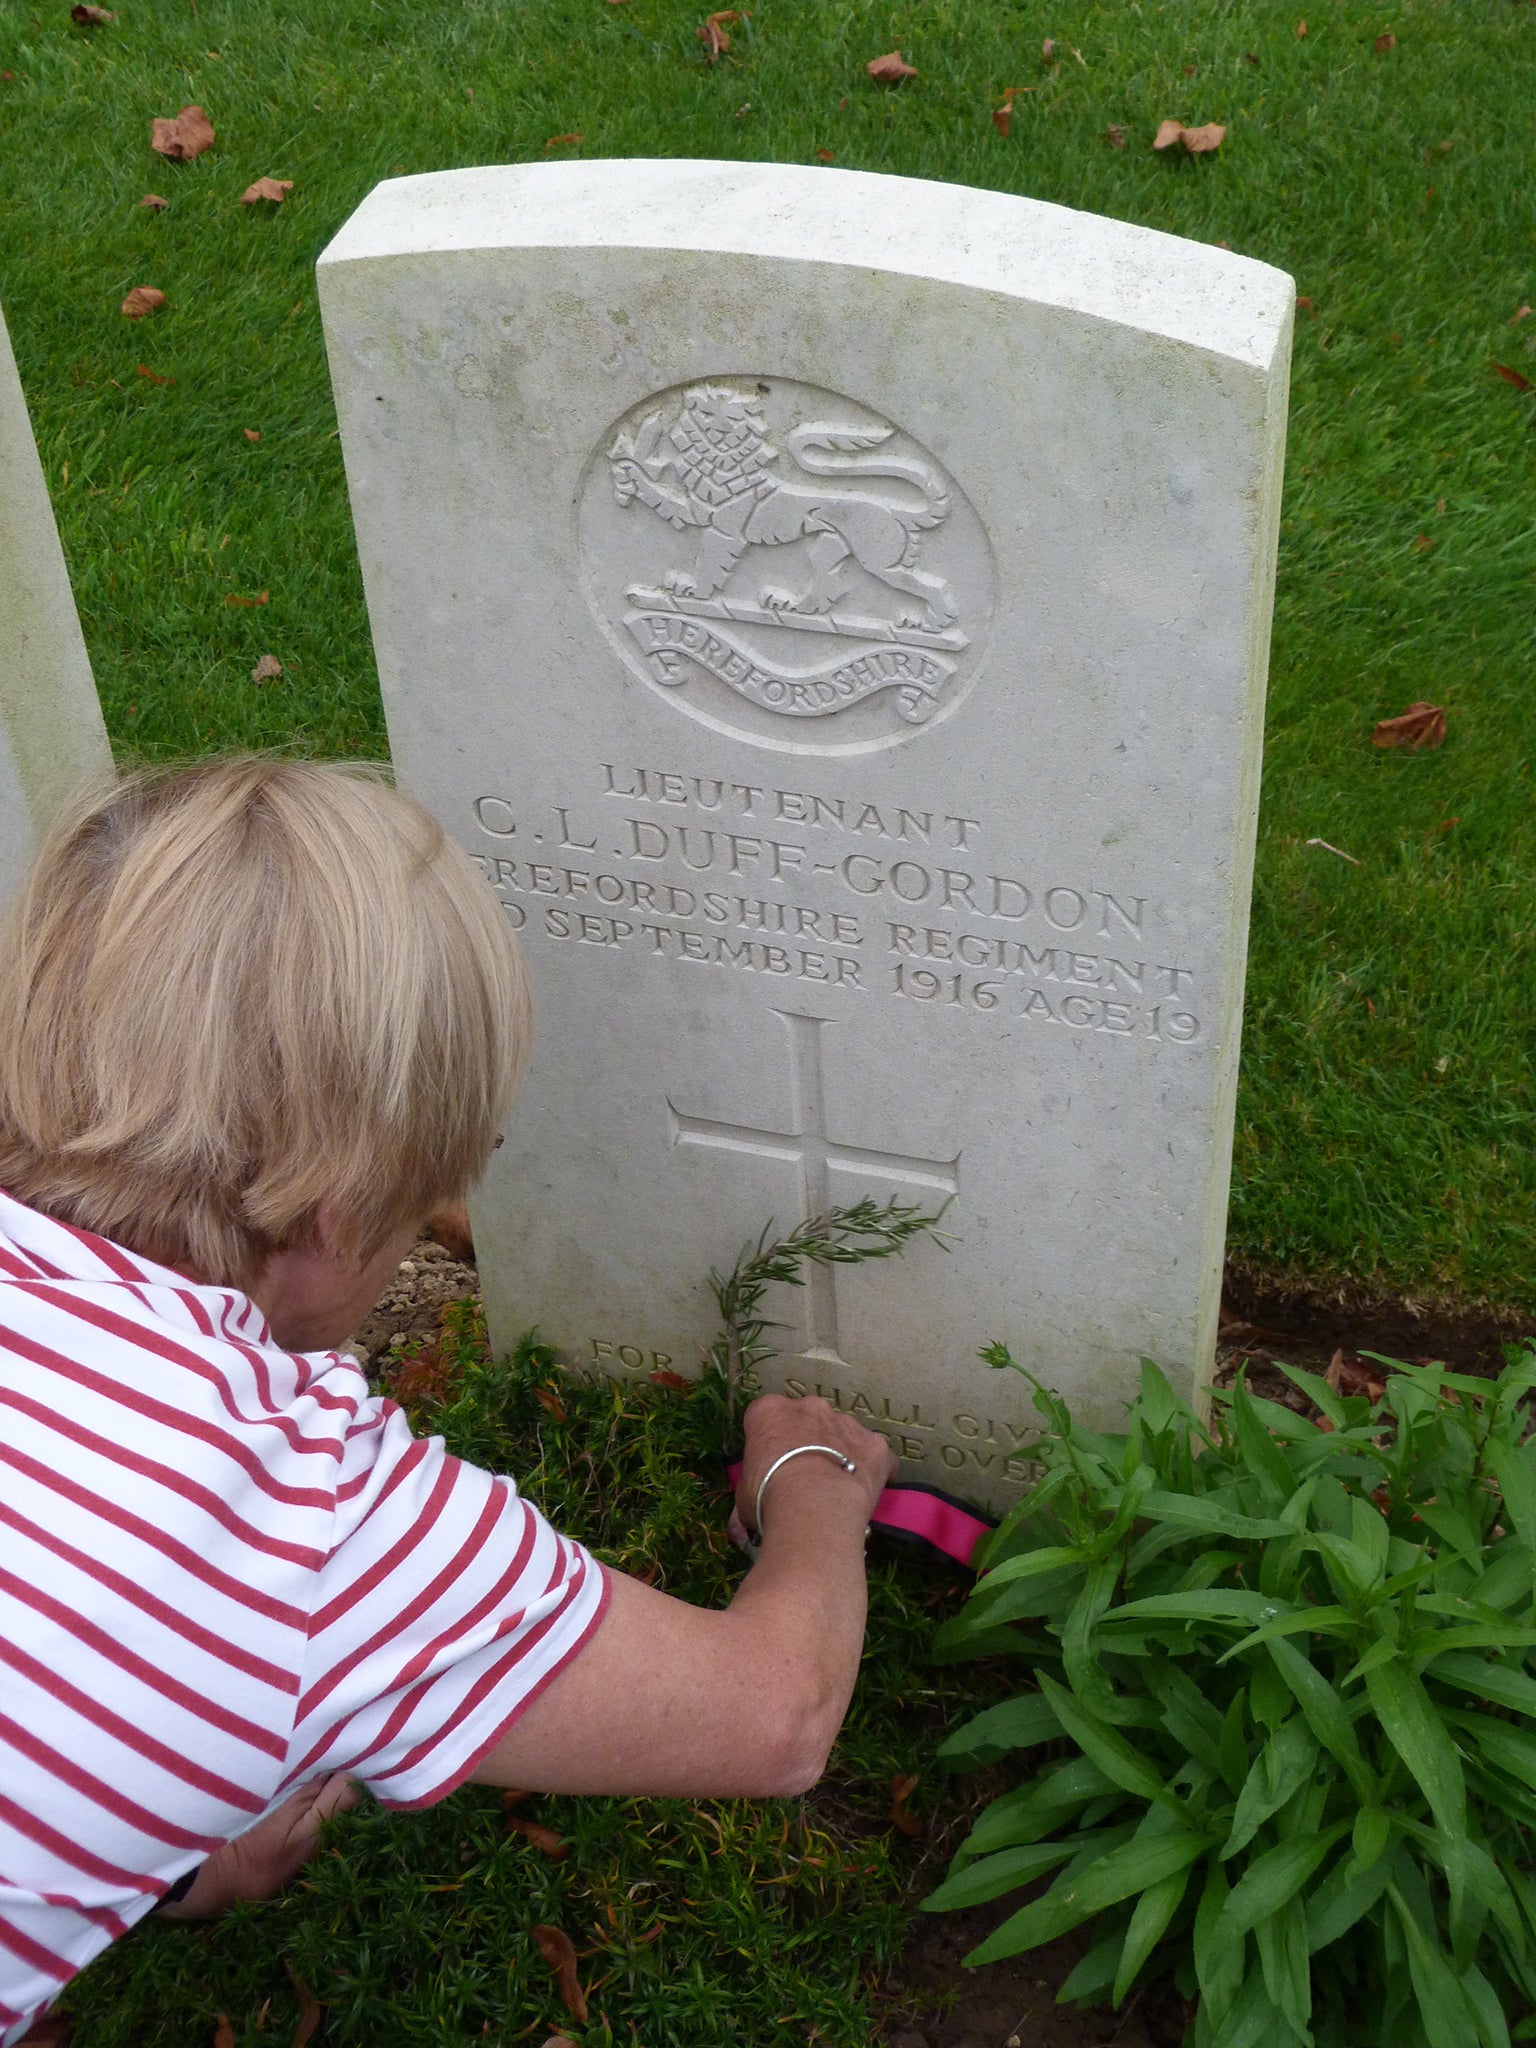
x=849 y=1236
x=1287 y=1676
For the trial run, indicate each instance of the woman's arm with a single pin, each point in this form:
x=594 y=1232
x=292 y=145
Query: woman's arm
x=669 y=1699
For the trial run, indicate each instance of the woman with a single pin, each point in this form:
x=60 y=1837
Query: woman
x=257 y=1019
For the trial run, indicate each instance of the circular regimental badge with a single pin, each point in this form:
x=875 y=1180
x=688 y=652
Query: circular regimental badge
x=786 y=565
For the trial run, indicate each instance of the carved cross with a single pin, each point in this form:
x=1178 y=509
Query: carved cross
x=809 y=1147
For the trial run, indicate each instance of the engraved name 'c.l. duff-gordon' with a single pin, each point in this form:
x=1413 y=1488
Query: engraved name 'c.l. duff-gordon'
x=711 y=471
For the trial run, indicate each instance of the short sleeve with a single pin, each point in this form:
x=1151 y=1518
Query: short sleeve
x=445 y=1607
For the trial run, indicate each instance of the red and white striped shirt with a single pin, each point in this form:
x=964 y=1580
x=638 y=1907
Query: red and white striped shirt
x=225 y=1569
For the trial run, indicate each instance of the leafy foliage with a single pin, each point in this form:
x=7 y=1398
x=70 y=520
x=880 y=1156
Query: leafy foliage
x=1287 y=1672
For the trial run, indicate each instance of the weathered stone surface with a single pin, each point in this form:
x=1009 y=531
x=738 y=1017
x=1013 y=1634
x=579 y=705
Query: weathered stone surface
x=835 y=611
x=51 y=732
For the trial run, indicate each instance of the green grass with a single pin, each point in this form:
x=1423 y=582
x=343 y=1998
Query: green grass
x=696 y=1925
x=1385 y=1119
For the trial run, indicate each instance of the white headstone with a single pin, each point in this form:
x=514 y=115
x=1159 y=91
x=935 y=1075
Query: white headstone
x=835 y=610
x=51 y=731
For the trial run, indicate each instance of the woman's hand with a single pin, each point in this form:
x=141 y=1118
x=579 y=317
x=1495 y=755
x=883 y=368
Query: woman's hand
x=775 y=1424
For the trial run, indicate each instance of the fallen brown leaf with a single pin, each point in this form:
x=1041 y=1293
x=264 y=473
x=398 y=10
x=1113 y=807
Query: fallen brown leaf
x=1168 y=133
x=223 y=2033
x=551 y=1403
x=151 y=376
x=262 y=597
x=1201 y=141
x=1335 y=1370
x=1523 y=313
x=674 y=1380
x=890 y=69
x=449 y=1225
x=543 y=1839
x=1423 y=543
x=144 y=298
x=310 y=2009
x=559 y=1952
x=275 y=189
x=1301 y=31
x=1421 y=725
x=564 y=2040
x=91 y=17
x=251 y=433
x=1384 y=43
x=1002 y=117
x=711 y=32
x=1048 y=51
x=902 y=1788
x=1114 y=135
x=267 y=669
x=565 y=141
x=154 y=202
x=826 y=156
x=184 y=138
x=1511 y=376
x=1304 y=306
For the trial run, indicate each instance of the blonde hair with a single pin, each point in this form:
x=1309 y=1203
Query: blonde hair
x=232 y=992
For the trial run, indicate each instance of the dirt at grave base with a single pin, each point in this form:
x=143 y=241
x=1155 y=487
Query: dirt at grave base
x=1011 y=2004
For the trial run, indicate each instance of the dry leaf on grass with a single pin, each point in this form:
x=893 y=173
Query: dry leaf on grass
x=1384 y=43
x=890 y=69
x=711 y=32
x=558 y=1951
x=1168 y=133
x=184 y=138
x=267 y=670
x=1201 y=141
x=1304 y=306
x=310 y=2009
x=91 y=17
x=1421 y=725
x=564 y=2040
x=662 y=1378
x=262 y=597
x=1301 y=30
x=1521 y=383
x=551 y=1403
x=903 y=1785
x=144 y=298
x=543 y=1839
x=1114 y=135
x=565 y=141
x=1523 y=313
x=151 y=376
x=275 y=189
x=154 y=202
x=223 y=2033
x=1002 y=117
x=826 y=156
x=251 y=433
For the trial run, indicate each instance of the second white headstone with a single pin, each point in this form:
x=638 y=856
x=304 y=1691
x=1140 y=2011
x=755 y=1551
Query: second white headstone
x=51 y=731
x=835 y=610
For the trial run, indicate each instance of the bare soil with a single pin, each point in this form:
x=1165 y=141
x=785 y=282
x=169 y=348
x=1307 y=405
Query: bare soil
x=930 y=2000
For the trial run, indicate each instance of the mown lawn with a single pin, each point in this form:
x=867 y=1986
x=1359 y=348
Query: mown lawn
x=1385 y=1122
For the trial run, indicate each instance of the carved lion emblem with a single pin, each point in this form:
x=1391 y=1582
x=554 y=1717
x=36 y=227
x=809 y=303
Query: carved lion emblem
x=824 y=566
x=717 y=476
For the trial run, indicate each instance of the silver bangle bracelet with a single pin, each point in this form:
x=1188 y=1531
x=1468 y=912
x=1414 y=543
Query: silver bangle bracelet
x=783 y=1459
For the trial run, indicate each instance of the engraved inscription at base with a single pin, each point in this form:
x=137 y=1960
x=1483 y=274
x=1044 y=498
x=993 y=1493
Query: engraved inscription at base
x=785 y=565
